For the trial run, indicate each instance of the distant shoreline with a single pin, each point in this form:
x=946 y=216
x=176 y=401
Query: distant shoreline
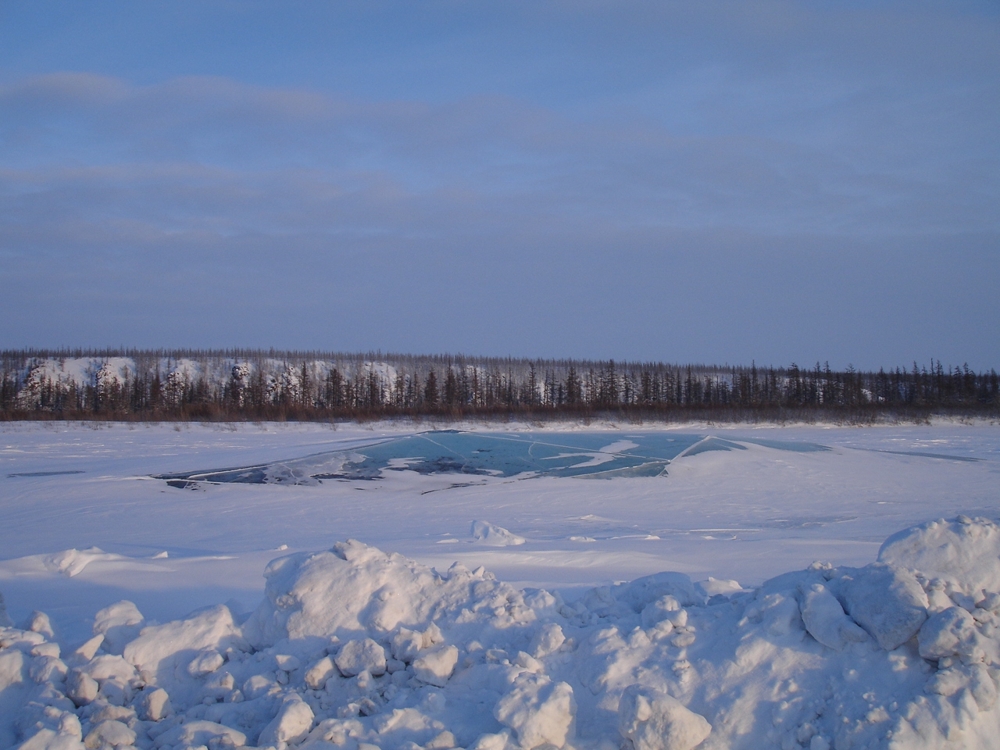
x=246 y=385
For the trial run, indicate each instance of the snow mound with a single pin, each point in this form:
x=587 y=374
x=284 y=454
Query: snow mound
x=494 y=536
x=353 y=590
x=963 y=552
x=72 y=562
x=357 y=648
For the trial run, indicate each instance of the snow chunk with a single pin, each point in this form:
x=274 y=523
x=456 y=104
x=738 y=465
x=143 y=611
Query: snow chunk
x=12 y=668
x=109 y=733
x=48 y=668
x=87 y=651
x=953 y=632
x=359 y=656
x=719 y=587
x=81 y=688
x=292 y=723
x=538 y=710
x=287 y=662
x=825 y=620
x=886 y=601
x=547 y=640
x=205 y=663
x=972 y=677
x=154 y=705
x=39 y=622
x=435 y=667
x=653 y=720
x=163 y=652
x=961 y=550
x=407 y=644
x=110 y=667
x=49 y=739
x=200 y=733
x=119 y=623
x=643 y=591
x=494 y=536
x=665 y=609
x=317 y=675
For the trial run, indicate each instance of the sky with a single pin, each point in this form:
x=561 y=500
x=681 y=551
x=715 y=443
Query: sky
x=715 y=182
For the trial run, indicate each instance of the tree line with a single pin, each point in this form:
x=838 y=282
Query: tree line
x=272 y=385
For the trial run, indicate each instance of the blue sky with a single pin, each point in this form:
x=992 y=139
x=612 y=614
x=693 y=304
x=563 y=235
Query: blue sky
x=694 y=182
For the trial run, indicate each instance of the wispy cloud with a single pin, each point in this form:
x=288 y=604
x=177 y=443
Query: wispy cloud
x=640 y=141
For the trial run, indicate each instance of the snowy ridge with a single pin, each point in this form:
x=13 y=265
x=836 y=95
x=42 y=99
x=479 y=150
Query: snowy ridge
x=357 y=648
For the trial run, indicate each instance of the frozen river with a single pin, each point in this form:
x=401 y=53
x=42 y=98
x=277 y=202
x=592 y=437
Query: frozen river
x=570 y=587
x=737 y=502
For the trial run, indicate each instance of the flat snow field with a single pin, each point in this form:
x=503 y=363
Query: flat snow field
x=85 y=523
x=745 y=515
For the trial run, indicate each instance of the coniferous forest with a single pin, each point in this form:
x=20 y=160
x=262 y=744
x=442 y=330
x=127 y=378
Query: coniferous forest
x=304 y=385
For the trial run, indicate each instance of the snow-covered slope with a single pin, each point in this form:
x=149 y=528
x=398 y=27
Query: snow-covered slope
x=353 y=647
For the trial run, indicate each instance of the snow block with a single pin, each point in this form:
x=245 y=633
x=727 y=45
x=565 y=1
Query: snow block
x=435 y=667
x=547 y=640
x=665 y=609
x=110 y=667
x=951 y=632
x=201 y=733
x=109 y=733
x=13 y=668
x=962 y=550
x=88 y=650
x=825 y=619
x=972 y=677
x=162 y=653
x=650 y=719
x=48 y=669
x=317 y=675
x=205 y=663
x=407 y=644
x=886 y=601
x=641 y=592
x=494 y=536
x=81 y=688
x=39 y=622
x=154 y=705
x=119 y=623
x=49 y=739
x=292 y=724
x=360 y=656
x=538 y=710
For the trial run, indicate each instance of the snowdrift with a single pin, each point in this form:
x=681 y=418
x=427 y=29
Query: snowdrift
x=359 y=649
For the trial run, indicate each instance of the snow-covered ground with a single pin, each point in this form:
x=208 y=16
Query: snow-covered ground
x=526 y=635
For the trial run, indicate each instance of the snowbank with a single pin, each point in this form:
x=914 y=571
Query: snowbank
x=356 y=648
x=490 y=534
